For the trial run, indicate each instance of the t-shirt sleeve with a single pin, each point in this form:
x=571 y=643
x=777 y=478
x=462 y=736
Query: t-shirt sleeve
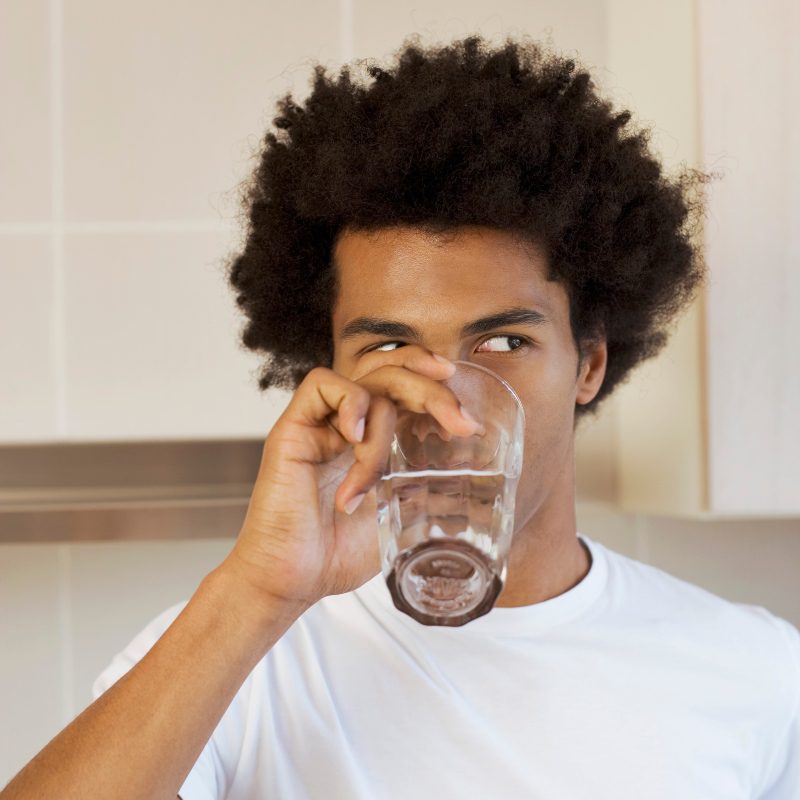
x=783 y=775
x=207 y=778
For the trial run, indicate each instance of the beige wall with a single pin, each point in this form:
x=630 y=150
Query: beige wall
x=183 y=90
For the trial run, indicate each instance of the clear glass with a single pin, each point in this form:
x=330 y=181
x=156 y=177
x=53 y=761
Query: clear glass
x=446 y=503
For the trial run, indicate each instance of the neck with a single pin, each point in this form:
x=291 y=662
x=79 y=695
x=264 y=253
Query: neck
x=547 y=558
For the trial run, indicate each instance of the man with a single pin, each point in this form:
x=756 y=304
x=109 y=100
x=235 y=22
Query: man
x=479 y=205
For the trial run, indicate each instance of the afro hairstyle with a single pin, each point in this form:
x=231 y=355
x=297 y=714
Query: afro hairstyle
x=513 y=137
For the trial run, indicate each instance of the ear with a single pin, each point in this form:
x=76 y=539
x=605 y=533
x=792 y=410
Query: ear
x=592 y=371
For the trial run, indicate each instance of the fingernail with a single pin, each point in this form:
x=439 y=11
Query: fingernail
x=360 y=429
x=353 y=503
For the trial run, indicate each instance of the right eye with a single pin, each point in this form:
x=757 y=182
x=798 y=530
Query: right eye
x=381 y=347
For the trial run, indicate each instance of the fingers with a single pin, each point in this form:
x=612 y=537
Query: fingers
x=362 y=411
x=326 y=395
x=324 y=392
x=392 y=386
x=411 y=356
x=371 y=455
x=422 y=395
x=417 y=361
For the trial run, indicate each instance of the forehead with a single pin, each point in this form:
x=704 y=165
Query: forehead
x=408 y=272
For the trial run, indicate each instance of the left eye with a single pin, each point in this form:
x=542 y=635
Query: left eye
x=512 y=343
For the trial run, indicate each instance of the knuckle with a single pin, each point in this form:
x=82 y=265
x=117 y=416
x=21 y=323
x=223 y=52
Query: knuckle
x=420 y=355
x=361 y=395
x=317 y=374
x=410 y=351
x=410 y=356
x=371 y=470
x=383 y=406
x=440 y=393
x=447 y=393
x=386 y=368
x=357 y=402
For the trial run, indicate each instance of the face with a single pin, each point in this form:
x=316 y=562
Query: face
x=434 y=289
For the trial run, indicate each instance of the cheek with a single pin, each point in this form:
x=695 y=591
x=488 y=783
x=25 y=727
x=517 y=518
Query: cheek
x=547 y=389
x=548 y=396
x=547 y=445
x=545 y=428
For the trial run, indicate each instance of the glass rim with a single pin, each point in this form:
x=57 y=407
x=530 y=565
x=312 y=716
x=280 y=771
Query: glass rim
x=505 y=383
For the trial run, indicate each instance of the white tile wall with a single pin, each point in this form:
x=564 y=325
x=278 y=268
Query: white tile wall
x=152 y=345
x=27 y=363
x=117 y=587
x=25 y=145
x=575 y=26
x=32 y=648
x=144 y=135
x=65 y=610
x=161 y=115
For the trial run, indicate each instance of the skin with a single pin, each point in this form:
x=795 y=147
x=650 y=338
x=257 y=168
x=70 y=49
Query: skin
x=437 y=285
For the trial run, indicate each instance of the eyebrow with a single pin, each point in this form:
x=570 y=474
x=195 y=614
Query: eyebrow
x=388 y=327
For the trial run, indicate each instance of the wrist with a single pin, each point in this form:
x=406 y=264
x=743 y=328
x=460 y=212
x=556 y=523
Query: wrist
x=255 y=613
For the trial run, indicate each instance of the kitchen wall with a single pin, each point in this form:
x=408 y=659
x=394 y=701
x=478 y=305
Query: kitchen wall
x=65 y=609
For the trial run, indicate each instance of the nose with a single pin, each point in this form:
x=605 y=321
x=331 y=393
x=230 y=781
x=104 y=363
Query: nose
x=424 y=425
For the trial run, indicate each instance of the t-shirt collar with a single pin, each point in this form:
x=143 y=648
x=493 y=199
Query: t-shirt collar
x=514 y=621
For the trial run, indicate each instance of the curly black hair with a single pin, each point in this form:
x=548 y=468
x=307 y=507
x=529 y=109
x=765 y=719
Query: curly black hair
x=515 y=138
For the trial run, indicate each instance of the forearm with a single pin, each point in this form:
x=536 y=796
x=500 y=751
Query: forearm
x=142 y=736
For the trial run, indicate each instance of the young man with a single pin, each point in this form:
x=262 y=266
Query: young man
x=469 y=204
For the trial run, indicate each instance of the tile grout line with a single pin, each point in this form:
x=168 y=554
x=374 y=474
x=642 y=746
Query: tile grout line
x=65 y=628
x=58 y=327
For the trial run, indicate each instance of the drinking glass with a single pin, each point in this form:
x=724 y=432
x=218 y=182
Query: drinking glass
x=446 y=503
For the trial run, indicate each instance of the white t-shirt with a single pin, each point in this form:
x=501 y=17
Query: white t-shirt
x=632 y=684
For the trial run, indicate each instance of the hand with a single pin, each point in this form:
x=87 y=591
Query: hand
x=322 y=458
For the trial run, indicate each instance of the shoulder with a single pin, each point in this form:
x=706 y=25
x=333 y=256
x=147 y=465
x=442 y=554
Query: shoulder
x=658 y=593
x=318 y=633
x=732 y=637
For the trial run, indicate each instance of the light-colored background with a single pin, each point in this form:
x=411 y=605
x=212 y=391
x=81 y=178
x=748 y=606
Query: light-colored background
x=131 y=125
